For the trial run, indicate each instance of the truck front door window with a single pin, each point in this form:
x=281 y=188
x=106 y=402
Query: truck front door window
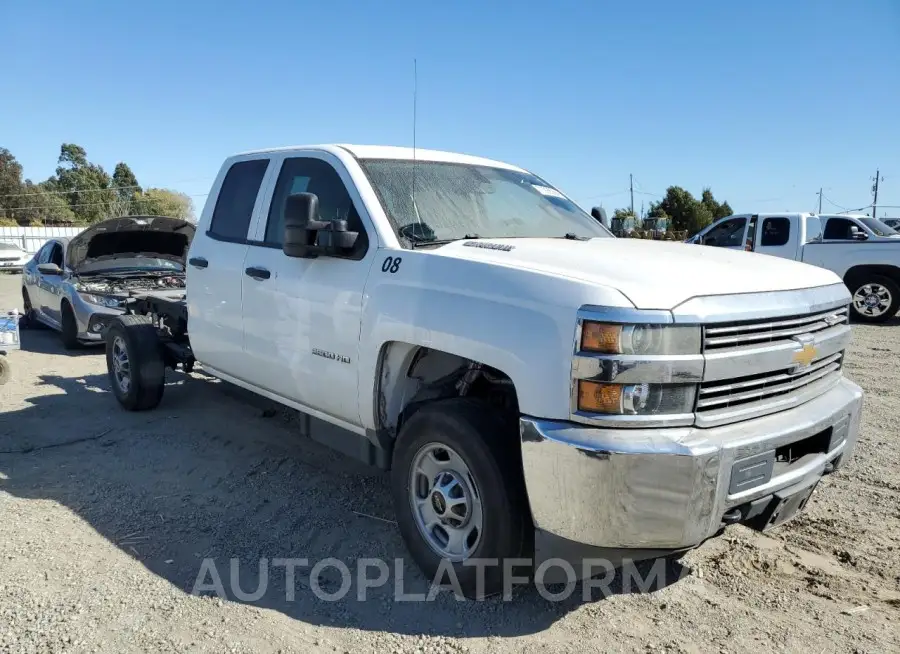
x=727 y=234
x=234 y=206
x=307 y=175
x=839 y=229
x=775 y=232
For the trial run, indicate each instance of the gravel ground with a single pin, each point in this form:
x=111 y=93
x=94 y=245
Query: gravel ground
x=106 y=518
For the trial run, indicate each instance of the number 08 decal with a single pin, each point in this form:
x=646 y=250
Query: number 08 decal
x=391 y=264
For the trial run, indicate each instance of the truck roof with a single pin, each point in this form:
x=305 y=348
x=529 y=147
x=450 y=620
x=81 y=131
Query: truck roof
x=393 y=152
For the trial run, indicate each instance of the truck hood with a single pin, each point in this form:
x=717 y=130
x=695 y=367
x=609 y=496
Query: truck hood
x=651 y=274
x=149 y=236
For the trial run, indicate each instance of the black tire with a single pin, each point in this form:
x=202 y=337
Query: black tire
x=147 y=371
x=858 y=285
x=69 y=332
x=487 y=444
x=28 y=319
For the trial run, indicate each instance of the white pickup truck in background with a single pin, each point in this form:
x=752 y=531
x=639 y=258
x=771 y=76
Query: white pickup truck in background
x=536 y=386
x=862 y=251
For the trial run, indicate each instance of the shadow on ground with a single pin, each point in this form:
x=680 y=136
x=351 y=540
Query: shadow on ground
x=208 y=476
x=43 y=340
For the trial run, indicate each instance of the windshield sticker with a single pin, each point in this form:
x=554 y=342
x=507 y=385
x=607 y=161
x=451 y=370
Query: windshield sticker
x=489 y=246
x=548 y=192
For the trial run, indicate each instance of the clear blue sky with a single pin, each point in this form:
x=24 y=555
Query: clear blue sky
x=764 y=101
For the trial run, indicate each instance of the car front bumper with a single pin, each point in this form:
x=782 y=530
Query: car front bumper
x=672 y=488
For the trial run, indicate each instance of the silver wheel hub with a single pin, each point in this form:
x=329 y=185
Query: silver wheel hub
x=446 y=502
x=872 y=299
x=121 y=364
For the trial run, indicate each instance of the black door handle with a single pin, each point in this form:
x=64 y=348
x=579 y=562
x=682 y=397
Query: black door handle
x=198 y=262
x=257 y=273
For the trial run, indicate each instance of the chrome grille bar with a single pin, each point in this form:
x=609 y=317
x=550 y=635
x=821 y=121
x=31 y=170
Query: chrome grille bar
x=719 y=396
x=758 y=332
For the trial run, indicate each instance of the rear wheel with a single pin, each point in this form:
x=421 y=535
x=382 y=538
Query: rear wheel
x=69 y=332
x=29 y=316
x=875 y=298
x=5 y=370
x=134 y=362
x=459 y=494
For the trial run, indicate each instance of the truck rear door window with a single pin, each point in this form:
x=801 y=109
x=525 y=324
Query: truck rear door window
x=234 y=206
x=775 y=232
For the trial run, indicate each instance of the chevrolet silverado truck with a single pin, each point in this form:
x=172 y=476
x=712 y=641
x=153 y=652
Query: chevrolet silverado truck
x=536 y=387
x=862 y=251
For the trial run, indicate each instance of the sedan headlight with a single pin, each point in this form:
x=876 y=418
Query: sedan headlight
x=607 y=338
x=101 y=300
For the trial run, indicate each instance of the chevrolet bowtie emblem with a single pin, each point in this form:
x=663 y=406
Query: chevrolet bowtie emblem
x=805 y=356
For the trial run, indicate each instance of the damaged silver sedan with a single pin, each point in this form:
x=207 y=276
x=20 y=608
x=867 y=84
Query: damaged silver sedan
x=77 y=285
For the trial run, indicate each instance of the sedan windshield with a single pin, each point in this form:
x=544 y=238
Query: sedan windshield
x=430 y=201
x=878 y=227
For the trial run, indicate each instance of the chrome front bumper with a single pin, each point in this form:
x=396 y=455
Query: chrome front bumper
x=669 y=488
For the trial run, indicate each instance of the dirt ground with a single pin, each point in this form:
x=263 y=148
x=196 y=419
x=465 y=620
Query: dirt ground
x=106 y=518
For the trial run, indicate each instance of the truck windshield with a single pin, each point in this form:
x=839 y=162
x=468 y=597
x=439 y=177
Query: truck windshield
x=429 y=201
x=878 y=227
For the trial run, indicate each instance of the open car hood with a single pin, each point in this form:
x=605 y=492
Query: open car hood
x=129 y=236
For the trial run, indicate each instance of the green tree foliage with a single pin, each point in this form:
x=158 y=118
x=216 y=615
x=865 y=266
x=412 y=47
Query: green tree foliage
x=164 y=202
x=81 y=192
x=685 y=212
x=10 y=182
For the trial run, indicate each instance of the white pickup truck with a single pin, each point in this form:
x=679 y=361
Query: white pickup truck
x=536 y=386
x=862 y=251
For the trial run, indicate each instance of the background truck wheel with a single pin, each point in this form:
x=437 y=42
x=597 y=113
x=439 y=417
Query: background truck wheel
x=458 y=492
x=875 y=298
x=134 y=362
x=69 y=332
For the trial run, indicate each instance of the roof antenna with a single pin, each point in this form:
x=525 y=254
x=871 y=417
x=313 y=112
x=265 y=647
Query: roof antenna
x=415 y=165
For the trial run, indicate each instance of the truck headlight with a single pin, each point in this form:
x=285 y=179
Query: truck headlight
x=607 y=338
x=101 y=300
x=636 y=399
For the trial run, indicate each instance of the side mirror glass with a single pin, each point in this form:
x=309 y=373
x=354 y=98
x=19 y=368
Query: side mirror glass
x=307 y=237
x=858 y=234
x=49 y=269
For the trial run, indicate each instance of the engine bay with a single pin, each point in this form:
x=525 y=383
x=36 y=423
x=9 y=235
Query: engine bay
x=122 y=285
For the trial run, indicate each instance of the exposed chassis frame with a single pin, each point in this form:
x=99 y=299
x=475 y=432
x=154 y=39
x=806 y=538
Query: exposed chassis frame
x=171 y=319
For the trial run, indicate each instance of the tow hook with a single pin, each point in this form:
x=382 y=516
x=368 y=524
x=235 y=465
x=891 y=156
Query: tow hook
x=732 y=517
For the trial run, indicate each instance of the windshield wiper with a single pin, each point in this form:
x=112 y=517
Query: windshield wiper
x=418 y=243
x=575 y=237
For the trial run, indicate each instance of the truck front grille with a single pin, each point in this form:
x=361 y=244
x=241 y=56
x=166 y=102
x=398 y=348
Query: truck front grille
x=761 y=389
x=761 y=332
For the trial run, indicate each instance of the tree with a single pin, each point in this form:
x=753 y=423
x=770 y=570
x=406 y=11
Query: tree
x=125 y=182
x=87 y=185
x=10 y=182
x=684 y=211
x=717 y=210
x=164 y=202
x=38 y=204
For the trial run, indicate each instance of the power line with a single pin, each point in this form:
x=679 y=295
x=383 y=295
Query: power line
x=100 y=204
x=97 y=189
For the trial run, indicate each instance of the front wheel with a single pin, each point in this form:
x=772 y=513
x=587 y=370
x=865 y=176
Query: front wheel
x=875 y=298
x=134 y=362
x=459 y=494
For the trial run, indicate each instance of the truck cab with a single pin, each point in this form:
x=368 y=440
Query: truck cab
x=863 y=251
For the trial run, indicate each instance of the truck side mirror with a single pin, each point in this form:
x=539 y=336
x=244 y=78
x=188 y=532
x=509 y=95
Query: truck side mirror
x=599 y=214
x=857 y=234
x=307 y=237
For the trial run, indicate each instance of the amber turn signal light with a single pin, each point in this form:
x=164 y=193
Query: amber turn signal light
x=599 y=398
x=600 y=337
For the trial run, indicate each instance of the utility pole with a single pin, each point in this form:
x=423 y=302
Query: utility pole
x=820 y=199
x=875 y=191
x=631 y=188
